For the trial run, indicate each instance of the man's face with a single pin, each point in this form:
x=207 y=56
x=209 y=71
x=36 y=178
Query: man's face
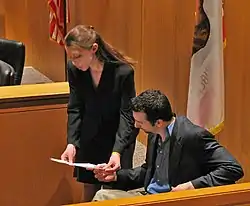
x=142 y=123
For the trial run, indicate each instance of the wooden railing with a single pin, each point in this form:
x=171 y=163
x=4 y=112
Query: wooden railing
x=231 y=195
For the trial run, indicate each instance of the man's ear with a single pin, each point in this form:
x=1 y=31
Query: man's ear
x=159 y=123
x=94 y=47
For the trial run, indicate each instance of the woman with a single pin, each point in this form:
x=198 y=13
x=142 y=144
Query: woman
x=100 y=121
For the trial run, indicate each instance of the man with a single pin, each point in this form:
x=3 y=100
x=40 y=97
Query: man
x=180 y=155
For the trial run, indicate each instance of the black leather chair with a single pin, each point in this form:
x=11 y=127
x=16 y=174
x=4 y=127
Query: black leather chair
x=6 y=74
x=13 y=53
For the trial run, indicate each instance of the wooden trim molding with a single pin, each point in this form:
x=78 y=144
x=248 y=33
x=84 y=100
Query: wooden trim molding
x=33 y=95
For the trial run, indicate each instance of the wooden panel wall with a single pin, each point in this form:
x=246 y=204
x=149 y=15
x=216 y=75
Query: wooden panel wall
x=2 y=21
x=237 y=82
x=167 y=41
x=28 y=140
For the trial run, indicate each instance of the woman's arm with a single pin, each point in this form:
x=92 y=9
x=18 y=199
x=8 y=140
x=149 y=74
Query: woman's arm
x=75 y=110
x=126 y=132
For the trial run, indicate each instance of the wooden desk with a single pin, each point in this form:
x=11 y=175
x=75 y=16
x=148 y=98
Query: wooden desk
x=33 y=129
x=231 y=195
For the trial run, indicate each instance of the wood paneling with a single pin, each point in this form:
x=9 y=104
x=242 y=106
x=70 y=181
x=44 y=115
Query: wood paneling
x=159 y=45
x=2 y=19
x=30 y=135
x=28 y=140
x=167 y=42
x=184 y=29
x=2 y=25
x=237 y=131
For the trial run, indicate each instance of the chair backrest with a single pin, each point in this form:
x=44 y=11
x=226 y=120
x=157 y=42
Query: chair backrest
x=13 y=53
x=6 y=74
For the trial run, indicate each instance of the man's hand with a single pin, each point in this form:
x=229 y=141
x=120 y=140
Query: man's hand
x=184 y=186
x=114 y=163
x=69 y=153
x=102 y=175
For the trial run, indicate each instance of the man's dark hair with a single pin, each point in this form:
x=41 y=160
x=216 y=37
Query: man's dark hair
x=154 y=104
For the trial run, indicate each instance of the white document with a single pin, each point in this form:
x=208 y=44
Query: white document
x=85 y=165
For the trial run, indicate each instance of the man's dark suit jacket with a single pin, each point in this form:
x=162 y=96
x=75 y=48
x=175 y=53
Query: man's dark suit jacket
x=195 y=156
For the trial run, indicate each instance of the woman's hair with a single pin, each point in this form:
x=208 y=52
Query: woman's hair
x=85 y=36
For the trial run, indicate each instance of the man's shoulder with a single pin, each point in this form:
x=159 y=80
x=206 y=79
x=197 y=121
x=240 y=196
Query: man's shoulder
x=188 y=129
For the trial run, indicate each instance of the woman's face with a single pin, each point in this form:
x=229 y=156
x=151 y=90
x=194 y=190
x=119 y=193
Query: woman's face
x=81 y=58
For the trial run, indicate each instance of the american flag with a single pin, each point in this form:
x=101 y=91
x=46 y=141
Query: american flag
x=57 y=9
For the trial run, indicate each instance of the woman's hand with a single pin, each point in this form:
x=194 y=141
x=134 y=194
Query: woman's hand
x=69 y=153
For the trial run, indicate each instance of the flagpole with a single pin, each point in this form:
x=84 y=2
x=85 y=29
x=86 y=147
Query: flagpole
x=65 y=32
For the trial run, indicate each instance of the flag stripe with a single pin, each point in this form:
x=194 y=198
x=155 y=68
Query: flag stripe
x=56 y=21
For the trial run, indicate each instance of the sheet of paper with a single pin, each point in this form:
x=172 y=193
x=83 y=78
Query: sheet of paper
x=85 y=165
